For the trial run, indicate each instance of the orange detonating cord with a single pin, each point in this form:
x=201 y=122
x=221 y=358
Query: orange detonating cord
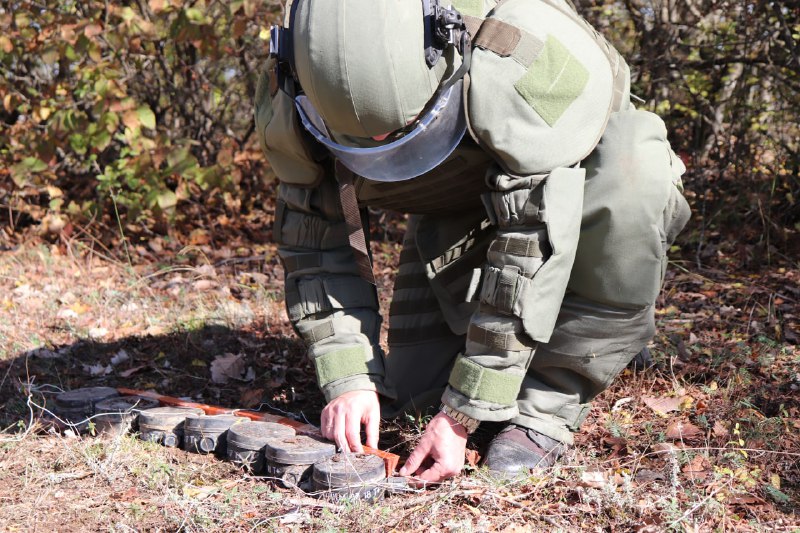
x=390 y=460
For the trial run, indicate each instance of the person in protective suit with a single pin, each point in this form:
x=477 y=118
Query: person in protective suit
x=541 y=203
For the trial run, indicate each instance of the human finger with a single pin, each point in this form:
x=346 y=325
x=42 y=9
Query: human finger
x=353 y=432
x=372 y=426
x=340 y=432
x=326 y=425
x=417 y=456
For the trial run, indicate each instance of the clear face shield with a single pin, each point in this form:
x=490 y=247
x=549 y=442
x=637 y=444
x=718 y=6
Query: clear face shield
x=432 y=138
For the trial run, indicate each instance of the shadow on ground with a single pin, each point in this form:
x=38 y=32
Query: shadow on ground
x=273 y=368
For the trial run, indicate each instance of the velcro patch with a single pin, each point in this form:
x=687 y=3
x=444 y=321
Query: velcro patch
x=485 y=384
x=340 y=364
x=469 y=7
x=553 y=81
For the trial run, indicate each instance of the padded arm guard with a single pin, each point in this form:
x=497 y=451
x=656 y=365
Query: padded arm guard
x=329 y=305
x=332 y=308
x=520 y=290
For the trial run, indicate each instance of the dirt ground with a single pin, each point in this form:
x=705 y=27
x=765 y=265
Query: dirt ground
x=708 y=439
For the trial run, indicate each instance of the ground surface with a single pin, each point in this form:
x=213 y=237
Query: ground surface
x=709 y=439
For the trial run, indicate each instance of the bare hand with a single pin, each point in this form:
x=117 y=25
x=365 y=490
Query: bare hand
x=440 y=453
x=343 y=416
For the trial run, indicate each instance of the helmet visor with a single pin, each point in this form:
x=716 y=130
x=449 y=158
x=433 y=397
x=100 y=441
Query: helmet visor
x=433 y=137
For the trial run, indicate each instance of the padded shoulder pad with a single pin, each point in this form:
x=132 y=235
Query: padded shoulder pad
x=541 y=87
x=281 y=135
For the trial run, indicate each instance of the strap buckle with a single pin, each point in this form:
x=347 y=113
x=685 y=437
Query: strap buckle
x=443 y=27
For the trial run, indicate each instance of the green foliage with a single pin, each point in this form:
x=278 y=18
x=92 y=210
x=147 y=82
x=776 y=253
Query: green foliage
x=144 y=108
x=726 y=77
x=144 y=103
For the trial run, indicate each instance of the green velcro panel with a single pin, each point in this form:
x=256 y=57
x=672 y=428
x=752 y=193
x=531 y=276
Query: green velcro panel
x=553 y=81
x=520 y=247
x=495 y=340
x=340 y=364
x=485 y=384
x=469 y=7
x=320 y=333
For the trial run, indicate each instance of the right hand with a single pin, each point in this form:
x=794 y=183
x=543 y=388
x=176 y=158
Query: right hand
x=343 y=416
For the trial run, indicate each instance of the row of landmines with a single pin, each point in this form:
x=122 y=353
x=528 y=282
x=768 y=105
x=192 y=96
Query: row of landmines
x=267 y=449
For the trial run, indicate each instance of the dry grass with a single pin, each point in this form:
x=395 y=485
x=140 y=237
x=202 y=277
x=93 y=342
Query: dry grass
x=732 y=465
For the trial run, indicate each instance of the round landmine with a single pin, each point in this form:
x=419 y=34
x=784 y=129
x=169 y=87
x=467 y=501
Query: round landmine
x=290 y=459
x=116 y=416
x=165 y=424
x=246 y=443
x=353 y=476
x=207 y=434
x=76 y=406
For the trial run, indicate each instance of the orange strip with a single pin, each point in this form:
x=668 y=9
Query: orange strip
x=389 y=459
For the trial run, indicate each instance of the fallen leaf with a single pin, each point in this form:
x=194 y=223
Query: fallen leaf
x=199 y=237
x=251 y=398
x=203 y=285
x=97 y=370
x=227 y=367
x=79 y=308
x=664 y=447
x=67 y=314
x=119 y=357
x=719 y=430
x=681 y=430
x=472 y=457
x=619 y=403
x=595 y=479
x=203 y=492
x=129 y=495
x=667 y=404
x=698 y=465
x=98 y=333
x=745 y=499
x=644 y=476
x=131 y=371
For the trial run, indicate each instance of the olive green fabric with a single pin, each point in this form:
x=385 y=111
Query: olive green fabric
x=555 y=79
x=473 y=8
x=634 y=171
x=362 y=63
x=339 y=364
x=281 y=135
x=551 y=113
x=591 y=344
x=330 y=306
x=530 y=287
x=484 y=384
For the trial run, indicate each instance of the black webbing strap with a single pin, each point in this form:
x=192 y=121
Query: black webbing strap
x=352 y=219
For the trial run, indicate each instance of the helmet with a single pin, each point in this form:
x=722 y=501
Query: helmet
x=372 y=68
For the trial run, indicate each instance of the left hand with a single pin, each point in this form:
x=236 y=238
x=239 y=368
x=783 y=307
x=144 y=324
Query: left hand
x=440 y=453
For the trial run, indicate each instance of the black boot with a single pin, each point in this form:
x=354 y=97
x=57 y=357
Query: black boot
x=515 y=450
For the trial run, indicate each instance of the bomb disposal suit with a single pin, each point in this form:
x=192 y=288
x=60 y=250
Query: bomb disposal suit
x=542 y=203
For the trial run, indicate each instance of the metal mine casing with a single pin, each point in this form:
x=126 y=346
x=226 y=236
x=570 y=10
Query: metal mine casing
x=207 y=434
x=246 y=443
x=165 y=424
x=77 y=405
x=118 y=415
x=290 y=459
x=354 y=476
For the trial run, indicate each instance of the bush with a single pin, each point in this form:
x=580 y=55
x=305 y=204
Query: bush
x=129 y=107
